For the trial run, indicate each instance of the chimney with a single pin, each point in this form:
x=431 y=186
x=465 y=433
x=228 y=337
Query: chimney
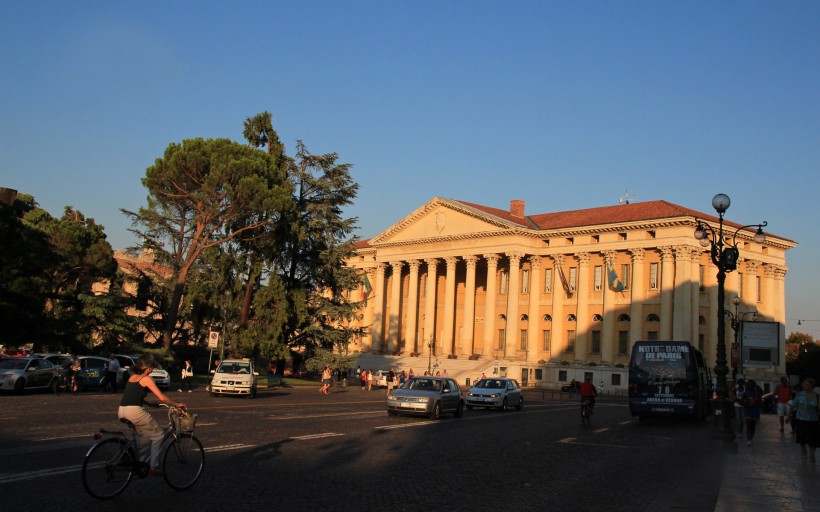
x=517 y=208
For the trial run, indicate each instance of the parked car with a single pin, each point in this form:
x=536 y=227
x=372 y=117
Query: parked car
x=380 y=378
x=160 y=375
x=426 y=396
x=92 y=372
x=20 y=374
x=234 y=377
x=496 y=392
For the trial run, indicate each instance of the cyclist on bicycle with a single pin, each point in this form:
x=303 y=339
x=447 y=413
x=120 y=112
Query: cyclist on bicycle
x=588 y=392
x=131 y=408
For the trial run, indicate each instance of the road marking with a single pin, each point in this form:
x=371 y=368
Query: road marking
x=316 y=436
x=75 y=436
x=571 y=440
x=627 y=422
x=226 y=447
x=29 y=475
x=328 y=415
x=406 y=425
x=598 y=431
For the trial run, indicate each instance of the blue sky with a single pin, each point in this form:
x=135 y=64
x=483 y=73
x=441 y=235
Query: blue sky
x=564 y=105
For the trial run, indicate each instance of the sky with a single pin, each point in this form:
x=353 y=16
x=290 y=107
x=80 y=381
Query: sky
x=562 y=104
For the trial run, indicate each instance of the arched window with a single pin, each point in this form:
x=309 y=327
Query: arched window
x=502 y=317
x=701 y=320
x=525 y=318
x=623 y=318
x=652 y=317
x=547 y=318
x=571 y=318
x=597 y=318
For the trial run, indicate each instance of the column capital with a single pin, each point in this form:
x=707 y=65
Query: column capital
x=609 y=256
x=775 y=271
x=535 y=261
x=515 y=257
x=558 y=259
x=583 y=258
x=379 y=267
x=451 y=261
x=470 y=260
x=684 y=252
x=492 y=259
x=432 y=262
x=667 y=254
x=638 y=254
x=752 y=265
x=414 y=265
x=397 y=265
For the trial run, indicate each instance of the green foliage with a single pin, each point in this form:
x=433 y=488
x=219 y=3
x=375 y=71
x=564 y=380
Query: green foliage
x=796 y=343
x=322 y=357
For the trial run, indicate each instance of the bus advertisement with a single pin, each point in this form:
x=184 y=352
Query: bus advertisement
x=668 y=378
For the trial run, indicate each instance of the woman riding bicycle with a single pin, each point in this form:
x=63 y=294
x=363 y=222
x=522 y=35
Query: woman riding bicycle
x=131 y=409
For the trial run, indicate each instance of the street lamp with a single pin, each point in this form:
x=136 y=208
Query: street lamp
x=431 y=347
x=724 y=255
x=736 y=318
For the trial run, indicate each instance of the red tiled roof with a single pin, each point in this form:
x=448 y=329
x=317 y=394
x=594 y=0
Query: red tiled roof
x=632 y=212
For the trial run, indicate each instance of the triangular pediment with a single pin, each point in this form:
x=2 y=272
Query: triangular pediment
x=442 y=219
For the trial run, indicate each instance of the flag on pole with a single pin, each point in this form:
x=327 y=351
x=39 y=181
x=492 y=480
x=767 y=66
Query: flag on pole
x=615 y=283
x=564 y=281
x=367 y=288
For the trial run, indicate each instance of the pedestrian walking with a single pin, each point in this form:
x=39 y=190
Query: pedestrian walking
x=363 y=379
x=783 y=392
x=740 y=388
x=187 y=377
x=111 y=372
x=752 y=401
x=369 y=380
x=391 y=375
x=325 y=389
x=806 y=418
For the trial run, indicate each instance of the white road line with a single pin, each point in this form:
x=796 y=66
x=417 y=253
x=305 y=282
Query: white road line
x=573 y=441
x=226 y=447
x=316 y=436
x=75 y=436
x=41 y=473
x=328 y=415
x=406 y=425
x=603 y=429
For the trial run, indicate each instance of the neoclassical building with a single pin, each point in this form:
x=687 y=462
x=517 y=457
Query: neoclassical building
x=577 y=287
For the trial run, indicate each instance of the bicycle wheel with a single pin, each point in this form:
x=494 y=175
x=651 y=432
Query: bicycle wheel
x=108 y=468
x=183 y=462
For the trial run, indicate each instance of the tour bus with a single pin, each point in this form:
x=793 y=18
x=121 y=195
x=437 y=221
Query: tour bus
x=668 y=378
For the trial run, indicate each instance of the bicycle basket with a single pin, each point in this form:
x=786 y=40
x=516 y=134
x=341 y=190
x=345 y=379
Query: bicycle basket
x=184 y=423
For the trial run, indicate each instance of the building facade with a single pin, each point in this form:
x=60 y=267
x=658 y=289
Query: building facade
x=579 y=287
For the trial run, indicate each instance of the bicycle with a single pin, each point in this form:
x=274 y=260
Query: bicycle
x=586 y=412
x=112 y=462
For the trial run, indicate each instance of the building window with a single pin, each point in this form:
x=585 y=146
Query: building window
x=573 y=276
x=623 y=342
x=623 y=318
x=616 y=379
x=596 y=342
x=740 y=284
x=596 y=239
x=570 y=241
x=525 y=281
x=702 y=278
x=652 y=335
x=625 y=277
x=759 y=287
x=548 y=280
x=653 y=276
x=502 y=282
x=523 y=339
x=701 y=342
x=562 y=375
x=571 y=318
x=545 y=340
x=571 y=341
x=599 y=278
x=597 y=318
x=502 y=338
x=539 y=374
x=652 y=317
x=547 y=318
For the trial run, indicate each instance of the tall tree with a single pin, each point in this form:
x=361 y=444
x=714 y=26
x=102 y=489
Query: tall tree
x=317 y=242
x=203 y=193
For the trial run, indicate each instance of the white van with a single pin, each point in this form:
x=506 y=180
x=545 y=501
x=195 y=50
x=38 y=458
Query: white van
x=234 y=377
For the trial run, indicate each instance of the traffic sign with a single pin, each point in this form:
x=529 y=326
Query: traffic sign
x=213 y=339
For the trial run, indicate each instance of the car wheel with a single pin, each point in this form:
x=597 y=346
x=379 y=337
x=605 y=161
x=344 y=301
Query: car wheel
x=504 y=404
x=252 y=393
x=459 y=410
x=212 y=393
x=53 y=386
x=436 y=414
x=391 y=413
x=20 y=385
x=520 y=404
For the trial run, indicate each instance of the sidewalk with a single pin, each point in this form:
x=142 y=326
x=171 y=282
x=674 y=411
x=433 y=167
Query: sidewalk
x=770 y=475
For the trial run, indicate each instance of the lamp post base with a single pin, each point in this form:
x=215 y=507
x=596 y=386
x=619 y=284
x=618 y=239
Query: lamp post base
x=722 y=409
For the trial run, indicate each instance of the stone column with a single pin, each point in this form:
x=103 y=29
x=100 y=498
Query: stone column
x=410 y=333
x=378 y=309
x=750 y=282
x=533 y=314
x=583 y=324
x=681 y=323
x=489 y=304
x=449 y=306
x=513 y=316
x=609 y=340
x=638 y=293
x=393 y=342
x=367 y=321
x=559 y=337
x=467 y=346
x=694 y=287
x=430 y=305
x=667 y=291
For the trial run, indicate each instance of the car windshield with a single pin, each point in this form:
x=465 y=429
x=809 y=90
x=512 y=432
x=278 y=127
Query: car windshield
x=491 y=384
x=423 y=384
x=13 y=364
x=234 y=368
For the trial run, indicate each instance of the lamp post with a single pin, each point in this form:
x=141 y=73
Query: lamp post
x=736 y=318
x=724 y=254
x=431 y=347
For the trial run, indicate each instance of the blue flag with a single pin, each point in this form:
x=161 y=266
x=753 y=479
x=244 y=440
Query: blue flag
x=615 y=282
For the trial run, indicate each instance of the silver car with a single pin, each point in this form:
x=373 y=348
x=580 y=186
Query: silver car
x=426 y=396
x=500 y=393
x=19 y=374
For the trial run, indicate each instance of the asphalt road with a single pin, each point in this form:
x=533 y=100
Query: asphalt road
x=294 y=449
